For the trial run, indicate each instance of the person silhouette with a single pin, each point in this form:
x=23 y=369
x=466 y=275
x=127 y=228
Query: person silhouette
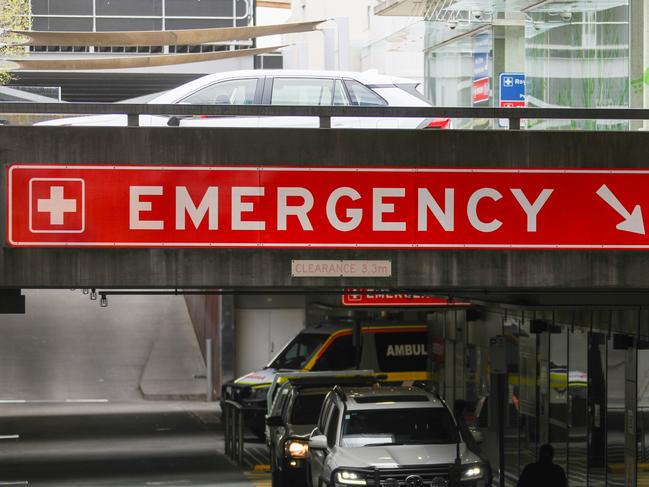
x=544 y=473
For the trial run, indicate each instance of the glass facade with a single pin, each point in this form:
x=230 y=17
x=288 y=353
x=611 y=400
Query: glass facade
x=573 y=55
x=577 y=380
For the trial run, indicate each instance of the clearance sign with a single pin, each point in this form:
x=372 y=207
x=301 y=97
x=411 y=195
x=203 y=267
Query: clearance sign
x=325 y=207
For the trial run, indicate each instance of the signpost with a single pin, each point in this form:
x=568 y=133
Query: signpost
x=512 y=90
x=375 y=297
x=326 y=207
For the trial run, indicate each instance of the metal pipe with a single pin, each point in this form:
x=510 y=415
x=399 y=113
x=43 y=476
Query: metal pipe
x=240 y=436
x=209 y=369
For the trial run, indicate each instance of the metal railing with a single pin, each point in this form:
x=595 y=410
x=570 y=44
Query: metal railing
x=324 y=113
x=233 y=425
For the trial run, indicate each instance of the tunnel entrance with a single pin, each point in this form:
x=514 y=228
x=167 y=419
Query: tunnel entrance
x=550 y=350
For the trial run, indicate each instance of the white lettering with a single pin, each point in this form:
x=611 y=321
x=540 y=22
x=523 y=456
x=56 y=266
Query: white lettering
x=185 y=206
x=136 y=207
x=531 y=209
x=407 y=350
x=472 y=210
x=239 y=207
x=446 y=217
x=378 y=225
x=300 y=211
x=354 y=214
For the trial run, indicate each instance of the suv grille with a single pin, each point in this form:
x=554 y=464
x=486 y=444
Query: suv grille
x=433 y=475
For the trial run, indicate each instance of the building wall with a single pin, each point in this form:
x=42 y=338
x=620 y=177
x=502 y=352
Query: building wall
x=373 y=42
x=120 y=15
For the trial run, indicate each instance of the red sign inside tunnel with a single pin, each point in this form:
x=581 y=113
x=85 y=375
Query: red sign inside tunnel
x=325 y=207
x=376 y=297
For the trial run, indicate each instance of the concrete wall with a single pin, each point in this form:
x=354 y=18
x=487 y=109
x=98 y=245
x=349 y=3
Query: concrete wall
x=204 y=312
x=498 y=269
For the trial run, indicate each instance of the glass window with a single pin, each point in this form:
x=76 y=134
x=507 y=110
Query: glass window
x=306 y=408
x=401 y=352
x=339 y=355
x=302 y=91
x=62 y=23
x=199 y=8
x=198 y=23
x=297 y=353
x=280 y=400
x=340 y=97
x=112 y=25
x=425 y=426
x=362 y=96
x=62 y=7
x=128 y=7
x=326 y=407
x=332 y=427
x=233 y=92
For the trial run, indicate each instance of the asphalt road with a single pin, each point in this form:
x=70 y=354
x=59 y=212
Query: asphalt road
x=111 y=444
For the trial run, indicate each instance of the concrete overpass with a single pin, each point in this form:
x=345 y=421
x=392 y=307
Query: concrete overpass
x=451 y=271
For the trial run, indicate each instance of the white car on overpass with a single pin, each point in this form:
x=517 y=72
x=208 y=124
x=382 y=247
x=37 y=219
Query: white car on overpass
x=282 y=87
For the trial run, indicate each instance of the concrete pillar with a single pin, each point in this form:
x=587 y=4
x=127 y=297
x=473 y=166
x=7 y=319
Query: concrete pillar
x=455 y=356
x=639 y=58
x=342 y=28
x=227 y=338
x=329 y=48
x=508 y=47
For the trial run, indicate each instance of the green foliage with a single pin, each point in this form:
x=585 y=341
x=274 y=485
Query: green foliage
x=14 y=15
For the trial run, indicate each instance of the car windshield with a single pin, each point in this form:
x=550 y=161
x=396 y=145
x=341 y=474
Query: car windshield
x=297 y=353
x=306 y=408
x=425 y=426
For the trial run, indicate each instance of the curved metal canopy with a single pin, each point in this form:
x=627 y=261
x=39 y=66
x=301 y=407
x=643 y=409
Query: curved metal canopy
x=135 y=61
x=163 y=37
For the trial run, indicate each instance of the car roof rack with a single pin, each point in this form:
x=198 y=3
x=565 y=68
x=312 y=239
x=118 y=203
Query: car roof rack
x=343 y=380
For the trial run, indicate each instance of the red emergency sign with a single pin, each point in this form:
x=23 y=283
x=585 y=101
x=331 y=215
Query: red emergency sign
x=375 y=297
x=325 y=207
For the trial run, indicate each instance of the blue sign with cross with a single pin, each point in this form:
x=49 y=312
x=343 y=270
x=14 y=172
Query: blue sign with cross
x=512 y=89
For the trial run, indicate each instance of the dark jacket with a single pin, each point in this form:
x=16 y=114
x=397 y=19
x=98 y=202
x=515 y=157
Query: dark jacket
x=542 y=474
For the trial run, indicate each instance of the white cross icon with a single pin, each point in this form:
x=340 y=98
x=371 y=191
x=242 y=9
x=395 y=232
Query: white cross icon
x=57 y=206
x=508 y=81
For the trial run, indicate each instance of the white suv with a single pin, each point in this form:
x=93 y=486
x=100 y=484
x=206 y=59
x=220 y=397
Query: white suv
x=391 y=437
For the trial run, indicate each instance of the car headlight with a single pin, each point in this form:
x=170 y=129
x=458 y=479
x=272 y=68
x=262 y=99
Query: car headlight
x=257 y=393
x=297 y=448
x=473 y=472
x=350 y=478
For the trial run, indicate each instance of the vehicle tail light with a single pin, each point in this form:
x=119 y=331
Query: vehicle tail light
x=438 y=123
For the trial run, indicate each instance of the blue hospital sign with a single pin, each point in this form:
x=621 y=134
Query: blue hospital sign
x=512 y=90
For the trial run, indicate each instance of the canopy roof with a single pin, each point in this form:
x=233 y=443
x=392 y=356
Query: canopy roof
x=162 y=37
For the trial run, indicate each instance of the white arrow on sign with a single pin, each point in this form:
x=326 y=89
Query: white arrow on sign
x=632 y=221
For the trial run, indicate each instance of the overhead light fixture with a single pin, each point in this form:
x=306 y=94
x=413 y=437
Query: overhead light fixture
x=451 y=24
x=86 y=291
x=93 y=294
x=566 y=16
x=103 y=302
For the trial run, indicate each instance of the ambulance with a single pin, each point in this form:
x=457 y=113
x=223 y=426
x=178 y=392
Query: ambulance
x=399 y=351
